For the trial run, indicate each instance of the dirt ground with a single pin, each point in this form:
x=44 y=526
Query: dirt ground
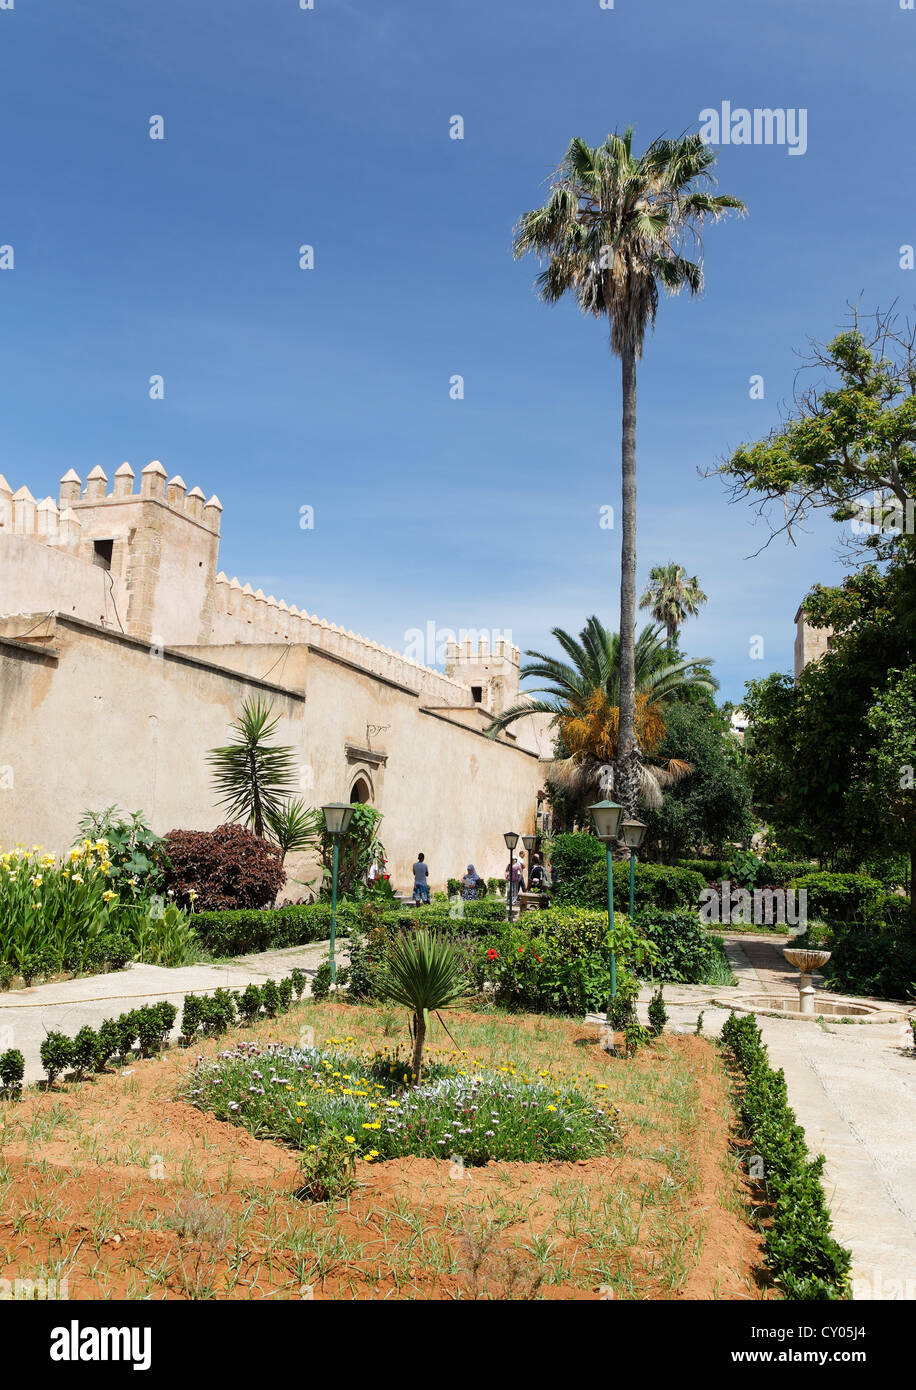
x=124 y=1191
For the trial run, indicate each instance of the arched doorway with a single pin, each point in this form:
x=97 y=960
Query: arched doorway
x=360 y=792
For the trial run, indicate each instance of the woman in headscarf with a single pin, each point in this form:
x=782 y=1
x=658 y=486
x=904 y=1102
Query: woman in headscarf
x=469 y=884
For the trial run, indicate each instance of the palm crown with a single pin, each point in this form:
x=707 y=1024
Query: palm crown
x=673 y=596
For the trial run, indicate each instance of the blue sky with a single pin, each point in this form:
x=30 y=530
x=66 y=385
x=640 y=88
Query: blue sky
x=330 y=387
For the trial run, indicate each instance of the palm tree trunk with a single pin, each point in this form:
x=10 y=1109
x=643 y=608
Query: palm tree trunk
x=627 y=782
x=419 y=1038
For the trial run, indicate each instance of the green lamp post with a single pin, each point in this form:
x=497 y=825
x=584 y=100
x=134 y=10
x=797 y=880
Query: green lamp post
x=511 y=839
x=606 y=815
x=336 y=822
x=632 y=833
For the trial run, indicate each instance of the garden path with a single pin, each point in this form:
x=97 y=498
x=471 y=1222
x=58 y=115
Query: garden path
x=853 y=1088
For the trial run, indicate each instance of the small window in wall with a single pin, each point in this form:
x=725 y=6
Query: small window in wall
x=477 y=693
x=101 y=554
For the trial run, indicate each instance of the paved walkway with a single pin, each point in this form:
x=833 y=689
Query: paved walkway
x=852 y=1085
x=27 y=1015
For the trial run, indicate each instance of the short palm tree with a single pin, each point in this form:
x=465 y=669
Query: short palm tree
x=295 y=827
x=423 y=972
x=616 y=227
x=252 y=774
x=673 y=596
x=583 y=696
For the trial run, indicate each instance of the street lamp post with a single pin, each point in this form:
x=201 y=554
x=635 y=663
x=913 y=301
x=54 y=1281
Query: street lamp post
x=336 y=822
x=529 y=841
x=606 y=816
x=632 y=832
x=511 y=839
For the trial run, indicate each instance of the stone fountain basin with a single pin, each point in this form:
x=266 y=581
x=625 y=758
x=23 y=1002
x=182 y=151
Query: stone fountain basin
x=790 y=1004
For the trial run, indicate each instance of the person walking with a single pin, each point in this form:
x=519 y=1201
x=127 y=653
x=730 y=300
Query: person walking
x=420 y=881
x=537 y=878
x=514 y=881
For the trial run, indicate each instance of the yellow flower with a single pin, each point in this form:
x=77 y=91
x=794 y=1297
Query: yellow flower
x=348 y=1139
x=107 y=897
x=551 y=1107
x=601 y=1085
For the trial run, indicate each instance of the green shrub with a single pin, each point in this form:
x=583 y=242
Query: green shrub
x=249 y=1003
x=896 y=911
x=654 y=885
x=453 y=887
x=12 y=1071
x=84 y=1052
x=218 y=1012
x=108 y=1042
x=127 y=1025
x=297 y=980
x=878 y=963
x=623 y=1005
x=801 y=1254
x=192 y=1016
x=658 y=1014
x=841 y=897
x=321 y=981
x=683 y=945
x=56 y=1054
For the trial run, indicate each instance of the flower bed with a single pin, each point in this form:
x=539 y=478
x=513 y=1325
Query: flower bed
x=303 y=1095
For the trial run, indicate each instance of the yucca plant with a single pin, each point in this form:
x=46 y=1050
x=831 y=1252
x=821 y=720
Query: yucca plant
x=251 y=774
x=295 y=827
x=423 y=972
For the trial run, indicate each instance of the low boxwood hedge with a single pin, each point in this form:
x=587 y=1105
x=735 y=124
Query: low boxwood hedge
x=249 y=930
x=841 y=897
x=661 y=886
x=805 y=1260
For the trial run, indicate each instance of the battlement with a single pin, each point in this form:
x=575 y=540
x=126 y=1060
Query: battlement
x=493 y=675
x=243 y=614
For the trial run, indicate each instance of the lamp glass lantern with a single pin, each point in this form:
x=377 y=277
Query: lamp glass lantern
x=529 y=841
x=632 y=833
x=511 y=839
x=337 y=816
x=606 y=816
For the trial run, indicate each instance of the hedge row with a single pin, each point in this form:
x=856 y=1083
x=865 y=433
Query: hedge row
x=90 y=1050
x=772 y=873
x=801 y=1254
x=247 y=930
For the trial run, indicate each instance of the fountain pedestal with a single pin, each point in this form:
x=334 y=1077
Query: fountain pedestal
x=806 y=962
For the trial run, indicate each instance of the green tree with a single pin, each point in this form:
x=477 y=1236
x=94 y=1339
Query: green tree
x=615 y=228
x=423 y=972
x=583 y=695
x=359 y=848
x=672 y=595
x=711 y=805
x=251 y=774
x=848 y=447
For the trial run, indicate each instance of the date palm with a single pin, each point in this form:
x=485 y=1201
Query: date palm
x=615 y=228
x=673 y=596
x=582 y=693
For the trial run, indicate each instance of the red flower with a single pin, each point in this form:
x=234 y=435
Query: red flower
x=520 y=949
x=491 y=954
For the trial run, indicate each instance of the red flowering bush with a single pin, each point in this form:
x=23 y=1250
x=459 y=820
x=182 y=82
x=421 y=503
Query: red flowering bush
x=227 y=867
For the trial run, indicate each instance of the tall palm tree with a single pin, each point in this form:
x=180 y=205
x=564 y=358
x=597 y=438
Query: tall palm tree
x=616 y=227
x=583 y=696
x=672 y=595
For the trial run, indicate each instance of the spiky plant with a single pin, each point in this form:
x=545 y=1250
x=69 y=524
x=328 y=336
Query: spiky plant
x=615 y=227
x=295 y=827
x=423 y=972
x=251 y=774
x=673 y=596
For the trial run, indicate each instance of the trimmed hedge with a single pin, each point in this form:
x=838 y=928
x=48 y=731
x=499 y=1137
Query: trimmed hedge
x=659 y=886
x=842 y=897
x=772 y=873
x=806 y=1262
x=250 y=930
x=687 y=952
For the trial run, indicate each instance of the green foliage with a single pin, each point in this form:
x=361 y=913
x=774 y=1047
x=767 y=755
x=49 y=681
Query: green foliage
x=711 y=805
x=12 y=1071
x=295 y=827
x=84 y=1051
x=623 y=1005
x=634 y=1035
x=803 y=1257
x=251 y=774
x=56 y=1054
x=842 y=897
x=107 y=1042
x=453 y=887
x=582 y=878
x=321 y=982
x=379 y=1115
x=192 y=1014
x=359 y=849
x=658 y=1014
x=328 y=1168
x=137 y=856
x=423 y=973
x=161 y=934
